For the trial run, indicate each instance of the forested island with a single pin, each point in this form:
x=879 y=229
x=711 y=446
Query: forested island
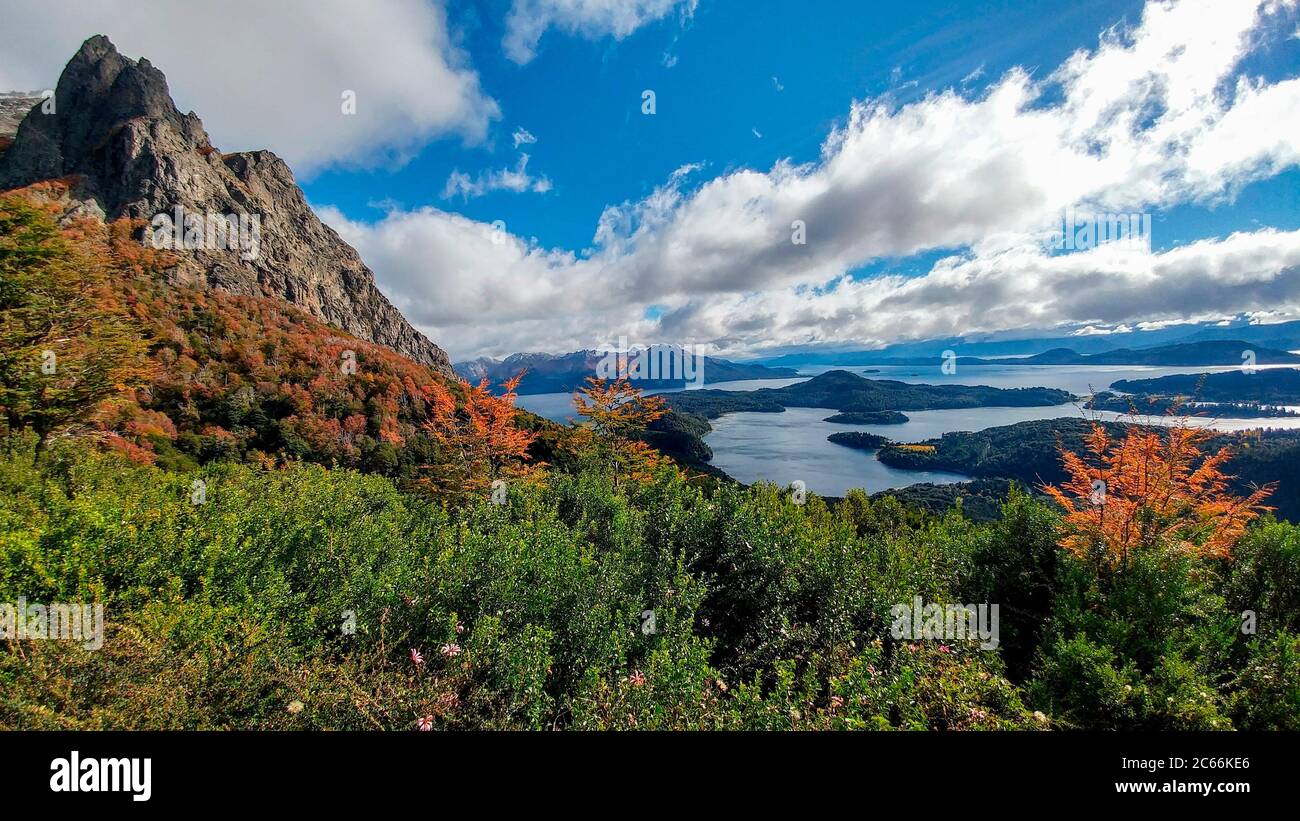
x=680 y=433
x=1276 y=386
x=847 y=392
x=1145 y=404
x=868 y=418
x=859 y=440
x=1029 y=453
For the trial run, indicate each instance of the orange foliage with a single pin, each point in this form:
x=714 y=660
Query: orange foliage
x=251 y=376
x=478 y=438
x=617 y=414
x=59 y=307
x=1151 y=487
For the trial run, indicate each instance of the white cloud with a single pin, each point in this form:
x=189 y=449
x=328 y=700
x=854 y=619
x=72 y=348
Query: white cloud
x=498 y=297
x=515 y=179
x=523 y=136
x=1153 y=117
x=1015 y=288
x=272 y=75
x=528 y=20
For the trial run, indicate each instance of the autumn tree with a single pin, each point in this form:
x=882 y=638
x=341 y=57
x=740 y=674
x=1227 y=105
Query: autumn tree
x=1151 y=487
x=66 y=345
x=478 y=438
x=617 y=415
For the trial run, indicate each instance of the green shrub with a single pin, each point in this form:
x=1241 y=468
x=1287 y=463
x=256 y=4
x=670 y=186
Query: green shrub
x=310 y=598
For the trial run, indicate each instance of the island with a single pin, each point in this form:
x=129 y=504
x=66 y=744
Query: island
x=1028 y=453
x=868 y=418
x=847 y=392
x=680 y=433
x=1277 y=386
x=1150 y=404
x=859 y=440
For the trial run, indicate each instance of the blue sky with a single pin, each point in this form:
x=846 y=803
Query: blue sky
x=582 y=101
x=924 y=150
x=582 y=98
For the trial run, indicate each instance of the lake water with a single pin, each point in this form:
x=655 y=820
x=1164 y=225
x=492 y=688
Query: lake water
x=789 y=446
x=558 y=407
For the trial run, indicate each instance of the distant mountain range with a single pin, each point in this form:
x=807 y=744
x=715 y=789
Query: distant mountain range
x=561 y=373
x=558 y=373
x=1205 y=352
x=1210 y=352
x=1281 y=336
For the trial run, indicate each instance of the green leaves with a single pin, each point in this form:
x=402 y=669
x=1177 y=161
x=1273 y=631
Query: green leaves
x=293 y=598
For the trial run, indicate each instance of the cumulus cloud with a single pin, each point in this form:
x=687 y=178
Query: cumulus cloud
x=1154 y=116
x=273 y=75
x=1015 y=288
x=495 y=293
x=515 y=179
x=528 y=20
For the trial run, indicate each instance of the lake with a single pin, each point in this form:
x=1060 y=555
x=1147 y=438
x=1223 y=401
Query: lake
x=789 y=446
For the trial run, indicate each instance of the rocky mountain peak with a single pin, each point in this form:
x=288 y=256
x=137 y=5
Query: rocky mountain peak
x=115 y=131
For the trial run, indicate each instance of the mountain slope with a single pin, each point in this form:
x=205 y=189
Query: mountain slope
x=127 y=151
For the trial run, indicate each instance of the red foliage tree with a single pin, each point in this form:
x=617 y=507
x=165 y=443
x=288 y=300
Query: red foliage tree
x=1151 y=487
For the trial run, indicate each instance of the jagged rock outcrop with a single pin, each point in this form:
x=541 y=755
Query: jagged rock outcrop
x=115 y=131
x=14 y=105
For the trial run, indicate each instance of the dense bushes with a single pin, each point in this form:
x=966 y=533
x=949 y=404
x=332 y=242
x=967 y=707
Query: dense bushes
x=583 y=605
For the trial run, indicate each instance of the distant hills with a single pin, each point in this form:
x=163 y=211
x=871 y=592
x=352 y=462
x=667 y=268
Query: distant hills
x=1281 y=336
x=1194 y=354
x=1277 y=386
x=561 y=373
x=1209 y=352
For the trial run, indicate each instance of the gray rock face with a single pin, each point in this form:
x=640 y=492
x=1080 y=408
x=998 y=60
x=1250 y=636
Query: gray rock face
x=115 y=129
x=14 y=105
